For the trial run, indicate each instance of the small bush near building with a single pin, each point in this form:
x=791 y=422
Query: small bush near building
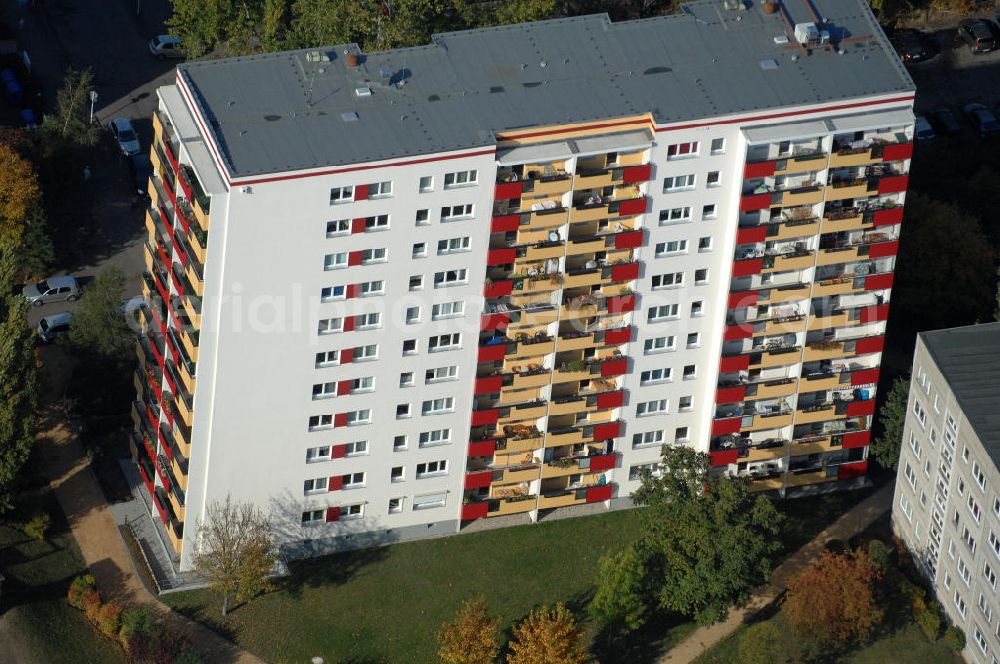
x=954 y=638
x=79 y=588
x=37 y=526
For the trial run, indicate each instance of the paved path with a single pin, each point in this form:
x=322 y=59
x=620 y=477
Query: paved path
x=98 y=538
x=848 y=525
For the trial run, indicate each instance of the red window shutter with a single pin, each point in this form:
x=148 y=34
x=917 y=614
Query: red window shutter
x=482 y=417
x=857 y=439
x=736 y=332
x=358 y=225
x=607 y=430
x=610 y=400
x=335 y=483
x=742 y=299
x=897 y=152
x=338 y=451
x=617 y=336
x=494 y=321
x=343 y=387
x=614 y=368
x=498 y=288
x=507 y=191
x=888 y=216
x=604 y=462
x=726 y=425
x=354 y=258
x=760 y=169
x=488 y=385
x=597 y=494
x=475 y=511
x=848 y=470
x=340 y=420
x=723 y=457
x=882 y=249
x=478 y=480
x=730 y=394
x=629 y=240
x=500 y=256
x=633 y=174
x=482 y=448
x=625 y=272
x=869 y=345
x=893 y=184
x=864 y=377
x=634 y=206
x=748 y=267
x=861 y=408
x=734 y=363
x=493 y=353
x=878 y=281
x=755 y=202
x=332 y=514
x=352 y=291
x=751 y=234
x=347 y=356
x=349 y=323
x=360 y=192
x=507 y=223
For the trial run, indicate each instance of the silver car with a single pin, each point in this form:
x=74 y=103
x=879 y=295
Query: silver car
x=53 y=289
x=53 y=325
x=166 y=46
x=124 y=134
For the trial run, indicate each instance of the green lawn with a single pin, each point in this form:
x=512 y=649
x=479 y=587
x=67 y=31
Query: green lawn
x=34 y=594
x=386 y=604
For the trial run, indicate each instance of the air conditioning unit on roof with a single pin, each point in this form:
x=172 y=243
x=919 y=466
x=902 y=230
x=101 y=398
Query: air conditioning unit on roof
x=806 y=33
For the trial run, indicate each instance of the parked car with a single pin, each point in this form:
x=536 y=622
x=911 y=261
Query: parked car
x=124 y=133
x=12 y=87
x=53 y=289
x=140 y=169
x=912 y=45
x=53 y=325
x=982 y=119
x=946 y=121
x=28 y=118
x=166 y=46
x=923 y=130
x=978 y=34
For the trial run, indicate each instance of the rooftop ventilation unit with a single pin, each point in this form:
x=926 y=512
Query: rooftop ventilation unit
x=349 y=116
x=363 y=91
x=317 y=56
x=806 y=33
x=781 y=40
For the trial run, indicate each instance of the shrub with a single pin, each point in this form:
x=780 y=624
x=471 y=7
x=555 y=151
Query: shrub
x=135 y=621
x=91 y=605
x=880 y=555
x=81 y=586
x=109 y=618
x=930 y=622
x=954 y=638
x=190 y=657
x=36 y=527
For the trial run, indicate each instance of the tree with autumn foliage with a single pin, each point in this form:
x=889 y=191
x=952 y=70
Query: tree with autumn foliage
x=833 y=601
x=19 y=195
x=548 y=636
x=471 y=638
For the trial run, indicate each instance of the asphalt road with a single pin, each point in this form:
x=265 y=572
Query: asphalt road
x=955 y=76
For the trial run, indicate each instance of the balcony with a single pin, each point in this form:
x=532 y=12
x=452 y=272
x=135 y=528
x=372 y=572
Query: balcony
x=799 y=259
x=591 y=463
x=804 y=162
x=811 y=476
x=192 y=307
x=818 y=412
x=836 y=286
x=519 y=439
x=850 y=188
x=855 y=156
x=783 y=294
x=812 y=445
x=516 y=474
x=512 y=505
x=847 y=219
x=576 y=496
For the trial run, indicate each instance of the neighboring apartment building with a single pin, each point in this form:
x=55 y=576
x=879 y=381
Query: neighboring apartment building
x=400 y=294
x=947 y=503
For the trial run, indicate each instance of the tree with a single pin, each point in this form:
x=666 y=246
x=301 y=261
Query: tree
x=20 y=195
x=892 y=417
x=99 y=325
x=471 y=637
x=235 y=551
x=833 y=600
x=547 y=636
x=761 y=643
x=70 y=124
x=996 y=313
x=622 y=593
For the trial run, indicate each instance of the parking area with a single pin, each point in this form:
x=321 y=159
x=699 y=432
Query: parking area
x=955 y=76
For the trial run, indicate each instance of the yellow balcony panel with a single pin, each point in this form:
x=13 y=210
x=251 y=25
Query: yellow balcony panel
x=512 y=506
x=517 y=475
x=154 y=194
x=544 y=253
x=179 y=475
x=832 y=382
x=548 y=218
x=768 y=484
x=518 y=445
x=791 y=262
x=764 y=454
x=157 y=127
x=764 y=422
x=532 y=350
x=840 y=255
x=522 y=415
x=187 y=378
x=771 y=391
x=174 y=540
x=811 y=447
x=860 y=158
x=200 y=252
x=595 y=181
x=588 y=247
x=808 y=197
x=150 y=227
x=838 y=319
x=590 y=278
x=196 y=283
x=540 y=284
x=522 y=381
x=186 y=415
x=193 y=310
x=589 y=213
x=564 y=500
x=183 y=444
x=803 y=416
x=803 y=164
x=570 y=376
x=850 y=191
x=178 y=508
x=780 y=359
x=140 y=353
x=137 y=383
x=829 y=287
x=577 y=343
x=526 y=235
x=843 y=225
x=815 y=477
x=572 y=437
x=823 y=351
x=573 y=311
x=788 y=231
x=568 y=407
x=200 y=214
x=190 y=345
x=784 y=326
x=779 y=295
x=550 y=187
x=537 y=317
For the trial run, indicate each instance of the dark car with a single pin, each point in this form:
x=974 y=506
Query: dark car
x=140 y=169
x=978 y=34
x=982 y=119
x=912 y=45
x=946 y=121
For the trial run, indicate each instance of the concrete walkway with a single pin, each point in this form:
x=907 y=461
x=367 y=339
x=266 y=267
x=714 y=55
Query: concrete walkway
x=847 y=526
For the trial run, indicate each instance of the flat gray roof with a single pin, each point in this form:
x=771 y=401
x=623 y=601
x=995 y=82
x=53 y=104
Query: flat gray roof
x=285 y=111
x=969 y=359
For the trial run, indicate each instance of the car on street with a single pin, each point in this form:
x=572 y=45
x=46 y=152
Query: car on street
x=54 y=325
x=982 y=119
x=53 y=289
x=946 y=121
x=978 y=34
x=166 y=46
x=923 y=129
x=140 y=169
x=912 y=45
x=124 y=133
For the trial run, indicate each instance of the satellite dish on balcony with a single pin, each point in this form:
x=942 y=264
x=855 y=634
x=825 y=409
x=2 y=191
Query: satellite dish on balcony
x=553 y=236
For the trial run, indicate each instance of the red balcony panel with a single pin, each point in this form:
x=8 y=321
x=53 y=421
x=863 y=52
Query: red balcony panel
x=354 y=258
x=344 y=387
x=484 y=448
x=508 y=191
x=748 y=267
x=878 y=281
x=751 y=235
x=848 y=470
x=897 y=152
x=352 y=291
x=360 y=192
x=741 y=299
x=607 y=430
x=626 y=272
x=723 y=457
x=610 y=400
x=730 y=394
x=332 y=514
x=882 y=249
x=340 y=420
x=633 y=174
x=508 y=223
x=888 y=216
x=483 y=417
x=630 y=207
x=598 y=494
x=861 y=408
x=621 y=335
x=614 y=368
x=475 y=511
x=734 y=363
x=494 y=321
x=498 y=288
x=335 y=483
x=869 y=345
x=864 y=377
x=604 y=462
x=347 y=356
x=628 y=240
x=357 y=225
x=621 y=304
x=856 y=439
x=726 y=425
x=478 y=480
x=349 y=323
x=171 y=157
x=493 y=353
x=875 y=314
x=760 y=169
x=500 y=256
x=893 y=184
x=755 y=202
x=338 y=451
x=488 y=385
x=735 y=332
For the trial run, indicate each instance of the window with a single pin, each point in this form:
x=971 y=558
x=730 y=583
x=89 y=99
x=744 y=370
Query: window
x=973 y=505
x=681 y=150
x=441 y=374
x=327 y=359
x=453 y=245
x=690 y=371
x=341 y=195
x=669 y=280
x=316 y=454
x=423 y=217
x=677 y=215
x=380 y=190
x=354 y=480
x=921 y=414
x=430 y=501
x=708 y=212
x=450 y=278
x=672 y=247
x=357 y=448
x=455 y=212
x=369 y=256
x=989 y=575
x=409 y=346
x=367 y=321
x=317 y=485
x=416 y=282
x=701 y=276
x=406 y=379
x=662 y=312
x=635 y=472
x=680 y=434
x=712 y=179
x=444 y=342
x=338 y=227
x=426 y=184
x=658 y=345
x=651 y=407
x=377 y=223
x=911 y=477
x=980 y=639
x=372 y=288
x=697 y=308
x=693 y=340
x=399 y=443
x=435 y=437
x=319 y=422
x=324 y=390
x=979 y=475
x=447 y=310
x=366 y=384
x=395 y=505
x=335 y=261
x=906 y=507
x=654 y=376
x=402 y=411
x=363 y=416
x=331 y=293
x=963 y=571
x=431 y=468
x=684 y=403
x=965 y=453
x=704 y=244
x=438 y=406
x=647 y=439
x=312 y=517
x=460 y=178
x=718 y=145
x=412 y=315
x=678 y=183
x=420 y=250
x=365 y=353
x=915 y=445
x=349 y=512
x=396 y=474
x=959 y=603
x=330 y=326
x=995 y=543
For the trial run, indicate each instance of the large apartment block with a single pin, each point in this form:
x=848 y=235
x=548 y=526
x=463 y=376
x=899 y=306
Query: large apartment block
x=401 y=294
x=947 y=503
